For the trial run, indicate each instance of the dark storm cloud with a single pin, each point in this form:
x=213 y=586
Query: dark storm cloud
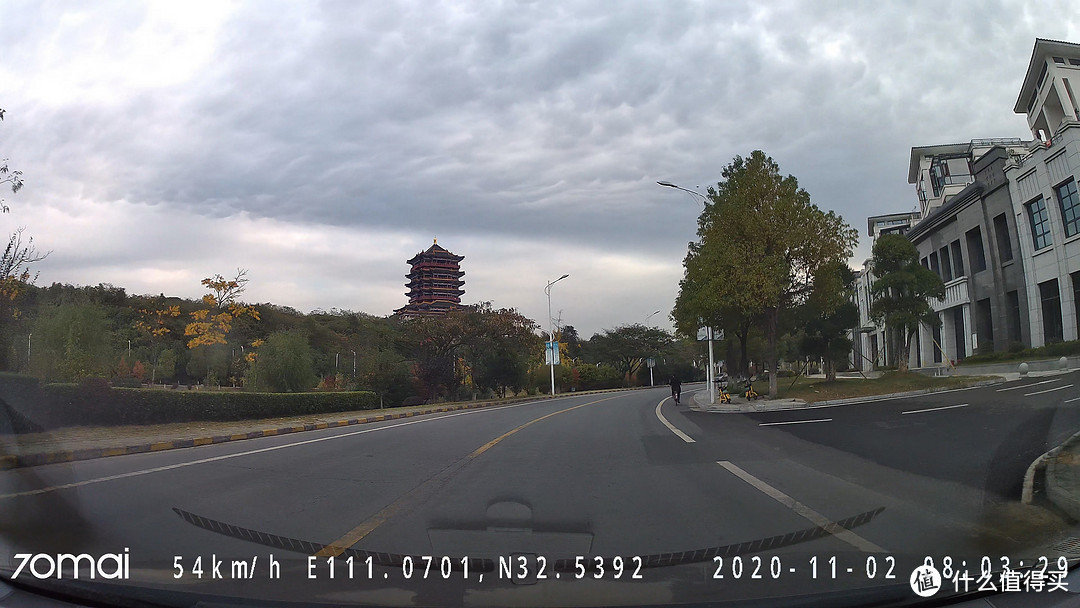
x=544 y=122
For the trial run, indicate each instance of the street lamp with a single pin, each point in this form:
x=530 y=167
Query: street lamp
x=647 y=317
x=695 y=193
x=709 y=330
x=551 y=331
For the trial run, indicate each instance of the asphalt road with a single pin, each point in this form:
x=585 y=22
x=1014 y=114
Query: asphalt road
x=591 y=475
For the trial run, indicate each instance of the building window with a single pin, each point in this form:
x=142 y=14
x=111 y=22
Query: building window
x=925 y=263
x=1051 y=311
x=958 y=259
x=1076 y=298
x=1040 y=223
x=1012 y=319
x=959 y=332
x=984 y=323
x=946 y=264
x=1060 y=60
x=1074 y=61
x=1070 y=206
x=1004 y=243
x=975 y=250
x=934 y=264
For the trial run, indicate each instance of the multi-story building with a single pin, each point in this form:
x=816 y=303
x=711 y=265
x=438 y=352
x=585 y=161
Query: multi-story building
x=435 y=283
x=868 y=339
x=970 y=241
x=1001 y=226
x=942 y=171
x=1043 y=185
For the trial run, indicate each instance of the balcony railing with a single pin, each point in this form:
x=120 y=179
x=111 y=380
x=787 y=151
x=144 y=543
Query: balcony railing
x=956 y=293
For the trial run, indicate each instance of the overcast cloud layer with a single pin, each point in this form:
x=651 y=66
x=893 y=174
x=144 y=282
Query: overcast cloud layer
x=322 y=145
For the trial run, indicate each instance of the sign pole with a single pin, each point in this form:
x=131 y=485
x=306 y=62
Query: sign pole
x=712 y=385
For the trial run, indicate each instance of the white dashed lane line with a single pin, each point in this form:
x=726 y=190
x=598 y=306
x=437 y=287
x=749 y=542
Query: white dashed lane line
x=1049 y=390
x=1013 y=388
x=795 y=422
x=934 y=409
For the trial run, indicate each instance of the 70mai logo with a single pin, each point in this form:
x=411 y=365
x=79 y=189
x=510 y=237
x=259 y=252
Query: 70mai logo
x=44 y=566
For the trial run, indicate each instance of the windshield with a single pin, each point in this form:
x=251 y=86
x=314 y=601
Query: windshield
x=531 y=304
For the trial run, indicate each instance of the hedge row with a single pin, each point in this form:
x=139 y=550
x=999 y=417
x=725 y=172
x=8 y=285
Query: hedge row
x=59 y=405
x=1016 y=353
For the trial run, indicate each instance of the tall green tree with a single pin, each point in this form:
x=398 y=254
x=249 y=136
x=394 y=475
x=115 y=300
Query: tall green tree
x=902 y=291
x=284 y=364
x=760 y=243
x=828 y=316
x=72 y=342
x=626 y=347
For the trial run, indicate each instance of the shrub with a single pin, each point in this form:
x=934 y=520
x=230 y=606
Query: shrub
x=71 y=405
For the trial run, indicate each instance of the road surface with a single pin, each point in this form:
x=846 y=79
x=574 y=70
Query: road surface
x=625 y=474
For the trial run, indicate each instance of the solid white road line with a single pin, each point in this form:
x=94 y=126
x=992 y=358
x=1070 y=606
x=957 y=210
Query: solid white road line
x=1013 y=388
x=816 y=518
x=671 y=427
x=795 y=422
x=1071 y=400
x=934 y=409
x=179 y=465
x=1049 y=390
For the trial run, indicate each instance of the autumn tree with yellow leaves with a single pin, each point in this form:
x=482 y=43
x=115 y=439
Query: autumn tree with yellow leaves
x=211 y=325
x=153 y=323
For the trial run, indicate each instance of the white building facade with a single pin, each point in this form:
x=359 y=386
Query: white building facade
x=1043 y=184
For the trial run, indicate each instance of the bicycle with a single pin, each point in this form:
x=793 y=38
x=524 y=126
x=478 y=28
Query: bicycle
x=750 y=393
x=725 y=396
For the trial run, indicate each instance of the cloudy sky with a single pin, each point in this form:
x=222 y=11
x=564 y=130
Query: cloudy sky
x=320 y=145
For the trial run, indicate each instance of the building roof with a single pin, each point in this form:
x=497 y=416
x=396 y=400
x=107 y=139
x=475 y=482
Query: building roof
x=941 y=214
x=435 y=251
x=1043 y=48
x=873 y=219
x=918 y=152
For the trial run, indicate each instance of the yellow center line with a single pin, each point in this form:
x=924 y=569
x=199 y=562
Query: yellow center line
x=355 y=535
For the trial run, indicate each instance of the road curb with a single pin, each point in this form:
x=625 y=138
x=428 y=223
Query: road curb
x=1058 y=490
x=13 y=461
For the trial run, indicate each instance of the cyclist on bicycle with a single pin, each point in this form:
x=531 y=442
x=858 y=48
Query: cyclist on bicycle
x=676 y=389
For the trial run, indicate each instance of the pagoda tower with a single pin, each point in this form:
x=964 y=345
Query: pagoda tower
x=435 y=283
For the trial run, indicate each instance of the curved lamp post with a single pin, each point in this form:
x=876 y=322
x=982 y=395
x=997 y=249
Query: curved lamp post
x=709 y=336
x=647 y=317
x=551 y=330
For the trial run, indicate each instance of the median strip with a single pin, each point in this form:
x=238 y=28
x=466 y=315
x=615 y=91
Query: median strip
x=12 y=461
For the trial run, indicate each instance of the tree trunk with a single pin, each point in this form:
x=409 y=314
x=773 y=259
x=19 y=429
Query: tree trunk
x=770 y=358
x=744 y=337
x=903 y=347
x=830 y=370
